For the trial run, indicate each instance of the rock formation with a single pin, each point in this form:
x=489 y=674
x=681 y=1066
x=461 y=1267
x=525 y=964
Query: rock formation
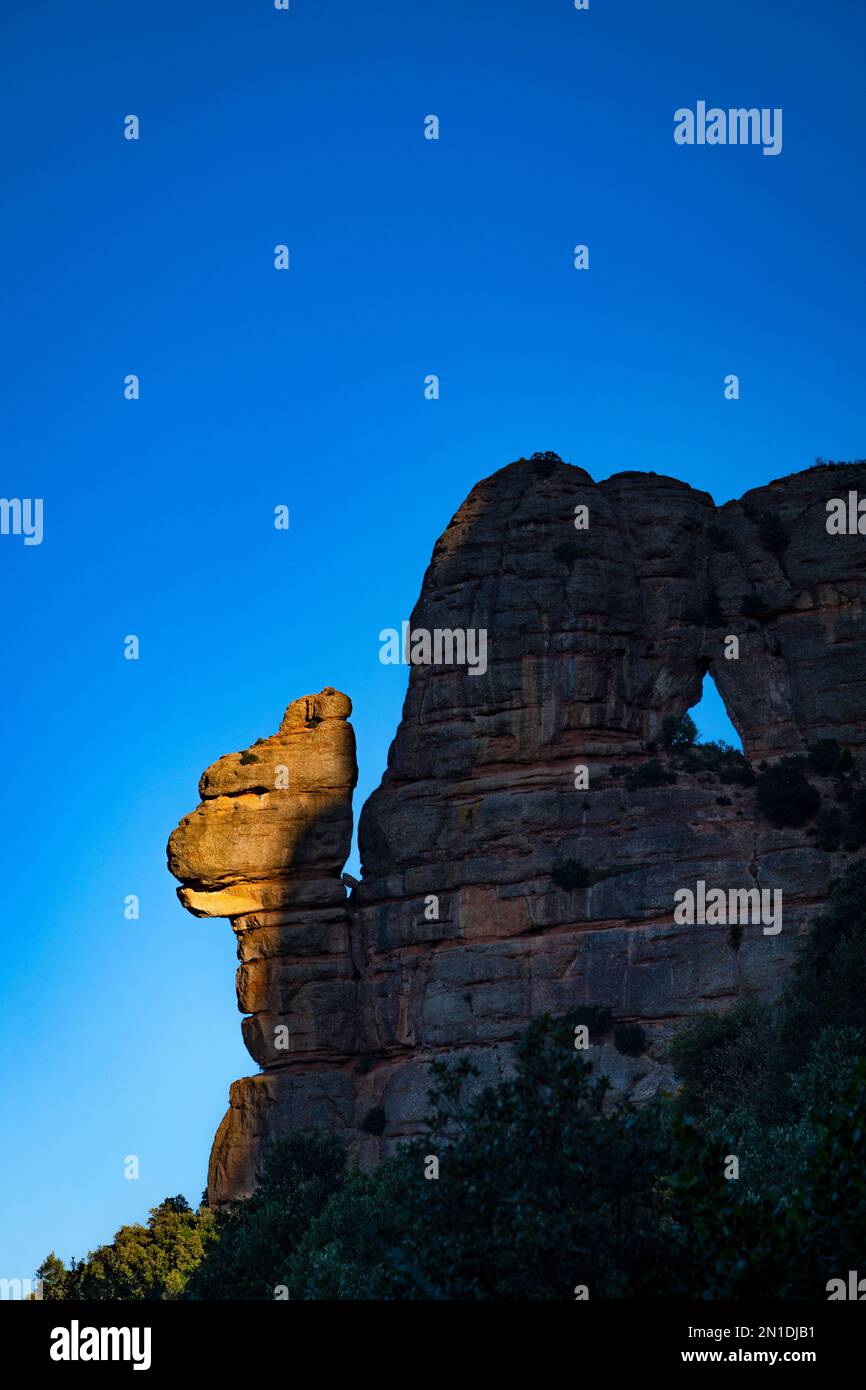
x=266 y=847
x=600 y=626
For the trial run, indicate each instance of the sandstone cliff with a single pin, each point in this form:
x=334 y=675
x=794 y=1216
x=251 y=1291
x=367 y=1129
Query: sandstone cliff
x=465 y=923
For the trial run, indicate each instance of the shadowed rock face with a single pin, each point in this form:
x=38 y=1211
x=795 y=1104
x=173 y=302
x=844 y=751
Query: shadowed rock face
x=458 y=932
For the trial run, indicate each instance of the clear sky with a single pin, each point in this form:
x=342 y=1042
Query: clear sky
x=305 y=387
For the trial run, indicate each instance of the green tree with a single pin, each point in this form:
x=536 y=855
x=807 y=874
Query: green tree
x=785 y=794
x=828 y=984
x=542 y=1186
x=142 y=1262
x=258 y=1237
x=53 y=1275
x=348 y=1247
x=679 y=733
x=763 y=1073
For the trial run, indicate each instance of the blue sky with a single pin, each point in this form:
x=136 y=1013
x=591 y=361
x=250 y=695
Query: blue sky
x=408 y=257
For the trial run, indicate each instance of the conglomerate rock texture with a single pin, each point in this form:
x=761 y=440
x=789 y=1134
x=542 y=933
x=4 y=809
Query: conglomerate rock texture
x=458 y=933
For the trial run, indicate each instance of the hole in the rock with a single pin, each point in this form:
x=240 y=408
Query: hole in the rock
x=353 y=863
x=712 y=718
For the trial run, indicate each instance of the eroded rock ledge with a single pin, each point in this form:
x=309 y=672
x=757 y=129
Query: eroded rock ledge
x=458 y=932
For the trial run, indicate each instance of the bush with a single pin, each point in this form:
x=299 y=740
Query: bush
x=691 y=761
x=247 y=758
x=650 y=774
x=774 y=534
x=749 y=1244
x=754 y=1077
x=737 y=771
x=827 y=759
x=630 y=1039
x=679 y=733
x=571 y=875
x=715 y=1054
x=830 y=825
x=828 y=985
x=545 y=1186
x=149 y=1262
x=715 y=752
x=856 y=825
x=345 y=1250
x=545 y=463
x=785 y=795
x=374 y=1121
x=598 y=1021
x=720 y=758
x=259 y=1237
